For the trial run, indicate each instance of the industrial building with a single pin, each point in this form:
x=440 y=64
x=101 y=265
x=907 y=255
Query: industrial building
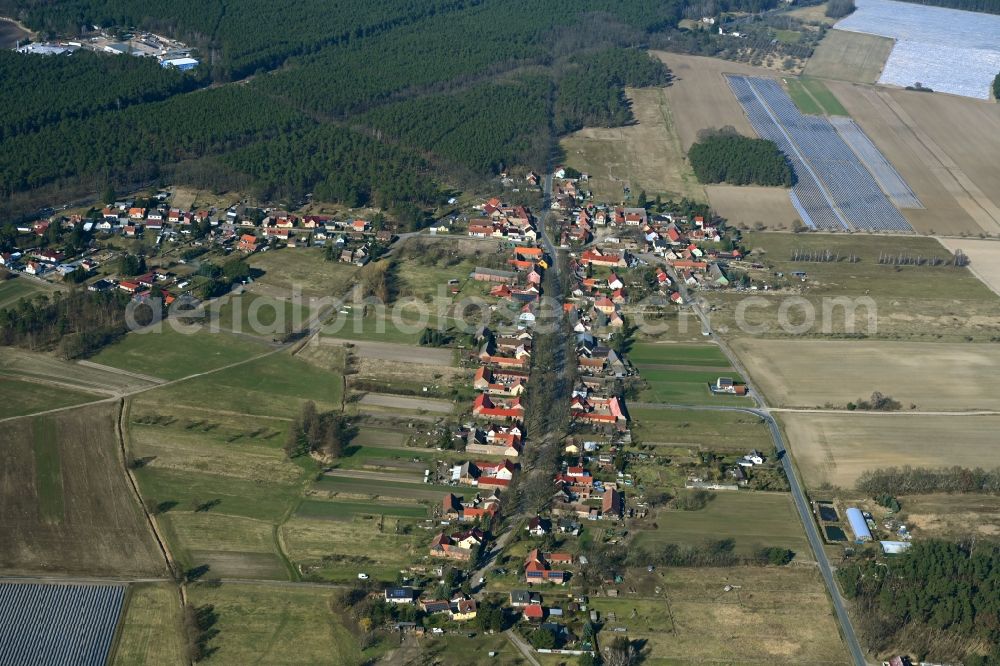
x=858 y=525
x=183 y=64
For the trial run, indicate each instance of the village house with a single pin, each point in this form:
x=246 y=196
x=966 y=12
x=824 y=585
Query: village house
x=538 y=567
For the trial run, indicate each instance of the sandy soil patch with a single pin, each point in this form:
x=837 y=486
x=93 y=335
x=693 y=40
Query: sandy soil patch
x=811 y=373
x=838 y=448
x=985 y=256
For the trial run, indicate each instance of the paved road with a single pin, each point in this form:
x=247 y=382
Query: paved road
x=798 y=494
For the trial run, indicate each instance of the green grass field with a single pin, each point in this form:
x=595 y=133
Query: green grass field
x=20 y=398
x=304 y=269
x=686 y=387
x=274 y=385
x=379 y=328
x=377 y=488
x=752 y=520
x=347 y=510
x=48 y=469
x=671 y=354
x=802 y=98
x=260 y=624
x=231 y=546
x=262 y=316
x=170 y=354
x=700 y=429
x=151 y=628
x=831 y=105
x=236 y=496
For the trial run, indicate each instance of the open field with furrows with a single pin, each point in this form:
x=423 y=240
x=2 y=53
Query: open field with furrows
x=19 y=397
x=171 y=354
x=812 y=373
x=700 y=430
x=984 y=256
x=837 y=448
x=16 y=288
x=20 y=363
x=275 y=385
x=752 y=519
x=305 y=270
x=276 y=625
x=646 y=155
x=337 y=550
x=952 y=516
x=770 y=206
x=914 y=303
x=151 y=628
x=849 y=56
x=944 y=146
x=381 y=401
x=354 y=484
x=396 y=353
x=65 y=502
x=230 y=546
x=772 y=616
x=337 y=510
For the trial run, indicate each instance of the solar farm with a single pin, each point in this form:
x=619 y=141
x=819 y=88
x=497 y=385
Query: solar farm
x=946 y=50
x=834 y=188
x=52 y=625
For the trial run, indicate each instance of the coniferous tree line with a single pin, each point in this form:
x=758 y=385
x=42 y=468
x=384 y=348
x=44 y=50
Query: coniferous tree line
x=946 y=596
x=984 y=6
x=839 y=8
x=727 y=157
x=996 y=87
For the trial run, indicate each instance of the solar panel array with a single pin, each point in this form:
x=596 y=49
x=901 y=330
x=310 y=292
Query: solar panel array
x=833 y=189
x=885 y=174
x=52 y=625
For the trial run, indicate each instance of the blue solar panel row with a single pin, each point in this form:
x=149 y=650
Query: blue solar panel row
x=52 y=625
x=834 y=190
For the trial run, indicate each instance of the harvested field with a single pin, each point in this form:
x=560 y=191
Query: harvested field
x=837 y=448
x=952 y=517
x=752 y=519
x=276 y=625
x=752 y=205
x=387 y=351
x=950 y=166
x=811 y=373
x=811 y=14
x=406 y=403
x=985 y=258
x=151 y=630
x=82 y=376
x=20 y=397
x=65 y=503
x=849 y=56
x=701 y=90
x=646 y=155
x=774 y=616
x=416 y=375
x=700 y=430
x=232 y=547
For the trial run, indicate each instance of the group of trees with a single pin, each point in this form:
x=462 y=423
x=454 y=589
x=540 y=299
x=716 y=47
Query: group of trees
x=943 y=594
x=76 y=324
x=983 y=6
x=913 y=480
x=327 y=434
x=878 y=402
x=221 y=278
x=996 y=87
x=723 y=156
x=839 y=8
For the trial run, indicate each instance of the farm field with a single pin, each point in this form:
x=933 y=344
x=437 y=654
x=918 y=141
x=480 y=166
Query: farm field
x=337 y=550
x=300 y=269
x=272 y=385
x=230 y=546
x=27 y=397
x=950 y=166
x=65 y=503
x=819 y=92
x=151 y=629
x=275 y=625
x=836 y=448
x=773 y=616
x=399 y=326
x=84 y=376
x=984 y=256
x=682 y=373
x=263 y=316
x=644 y=156
x=849 y=56
x=752 y=519
x=58 y=624
x=952 y=516
x=806 y=102
x=169 y=354
x=812 y=373
x=771 y=206
x=708 y=356
x=958 y=308
x=333 y=510
x=383 y=488
x=700 y=430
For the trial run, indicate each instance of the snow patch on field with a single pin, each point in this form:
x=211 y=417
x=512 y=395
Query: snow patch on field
x=926 y=48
